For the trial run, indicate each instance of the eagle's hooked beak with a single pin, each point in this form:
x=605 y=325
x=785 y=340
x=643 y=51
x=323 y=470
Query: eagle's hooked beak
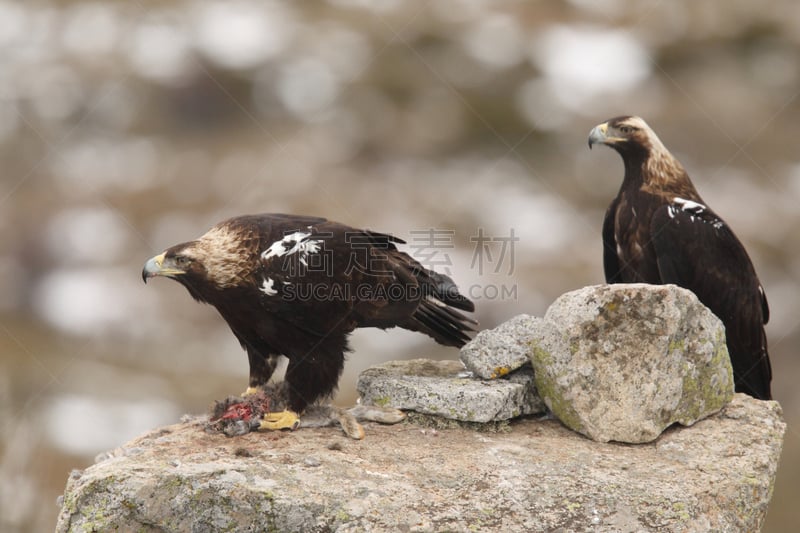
x=160 y=266
x=599 y=134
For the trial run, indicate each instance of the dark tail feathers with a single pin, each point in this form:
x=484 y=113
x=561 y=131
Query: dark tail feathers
x=437 y=313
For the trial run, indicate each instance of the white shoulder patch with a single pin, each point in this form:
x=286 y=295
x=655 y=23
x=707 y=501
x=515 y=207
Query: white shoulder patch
x=694 y=210
x=293 y=243
x=689 y=206
x=268 y=287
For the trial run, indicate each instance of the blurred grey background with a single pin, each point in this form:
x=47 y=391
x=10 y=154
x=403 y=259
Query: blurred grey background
x=129 y=126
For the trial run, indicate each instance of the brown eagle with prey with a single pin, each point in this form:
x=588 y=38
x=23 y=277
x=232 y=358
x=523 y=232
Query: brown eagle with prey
x=659 y=230
x=297 y=286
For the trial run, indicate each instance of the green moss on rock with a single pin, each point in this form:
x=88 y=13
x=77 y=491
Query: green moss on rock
x=542 y=361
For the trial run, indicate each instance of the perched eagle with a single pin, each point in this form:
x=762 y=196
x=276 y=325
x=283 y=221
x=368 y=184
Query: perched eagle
x=296 y=286
x=659 y=230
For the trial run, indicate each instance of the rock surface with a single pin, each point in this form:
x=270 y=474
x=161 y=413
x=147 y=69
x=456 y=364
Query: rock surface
x=539 y=476
x=494 y=353
x=624 y=362
x=446 y=388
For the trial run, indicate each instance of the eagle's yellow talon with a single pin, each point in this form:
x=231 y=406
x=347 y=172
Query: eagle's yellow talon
x=249 y=391
x=280 y=420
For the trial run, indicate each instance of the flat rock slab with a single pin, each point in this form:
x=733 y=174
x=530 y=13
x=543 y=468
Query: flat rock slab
x=447 y=389
x=539 y=476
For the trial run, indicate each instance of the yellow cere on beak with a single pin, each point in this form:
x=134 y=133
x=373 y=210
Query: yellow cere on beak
x=155 y=267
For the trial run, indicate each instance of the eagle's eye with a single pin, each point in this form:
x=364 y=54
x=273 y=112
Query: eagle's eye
x=626 y=129
x=181 y=260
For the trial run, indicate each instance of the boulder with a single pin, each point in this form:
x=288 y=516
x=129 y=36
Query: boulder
x=623 y=362
x=494 y=353
x=538 y=476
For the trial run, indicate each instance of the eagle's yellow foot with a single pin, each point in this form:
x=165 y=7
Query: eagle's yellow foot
x=249 y=391
x=280 y=420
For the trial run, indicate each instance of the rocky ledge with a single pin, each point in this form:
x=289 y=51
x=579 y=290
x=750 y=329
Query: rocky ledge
x=533 y=475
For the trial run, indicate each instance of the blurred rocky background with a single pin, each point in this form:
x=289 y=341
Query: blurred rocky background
x=459 y=125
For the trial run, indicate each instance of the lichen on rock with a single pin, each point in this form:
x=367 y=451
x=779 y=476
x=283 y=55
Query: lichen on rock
x=534 y=475
x=623 y=362
x=494 y=353
x=447 y=389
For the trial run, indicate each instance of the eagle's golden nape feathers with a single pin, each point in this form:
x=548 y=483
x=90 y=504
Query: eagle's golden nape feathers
x=226 y=253
x=659 y=230
x=297 y=286
x=646 y=158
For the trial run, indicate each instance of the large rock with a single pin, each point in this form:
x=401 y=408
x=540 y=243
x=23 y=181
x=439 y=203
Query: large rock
x=623 y=362
x=447 y=389
x=494 y=353
x=539 y=476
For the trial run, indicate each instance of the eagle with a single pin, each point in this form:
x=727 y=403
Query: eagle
x=297 y=286
x=659 y=230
